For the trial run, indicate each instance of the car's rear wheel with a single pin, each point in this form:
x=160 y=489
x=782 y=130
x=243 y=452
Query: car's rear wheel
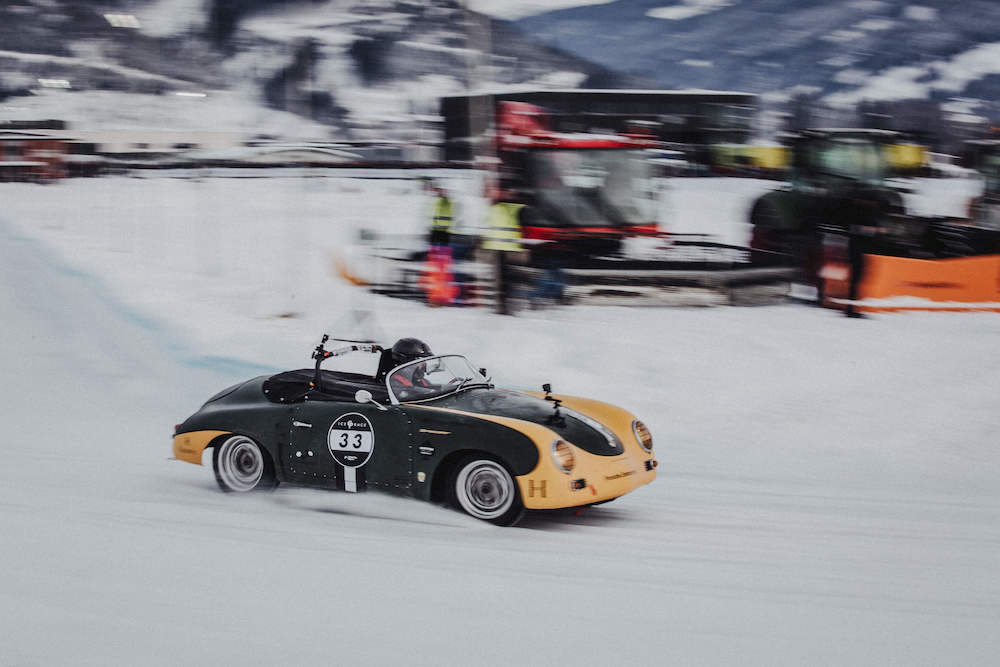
x=241 y=465
x=483 y=487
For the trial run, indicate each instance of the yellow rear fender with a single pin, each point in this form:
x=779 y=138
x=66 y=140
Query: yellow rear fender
x=190 y=446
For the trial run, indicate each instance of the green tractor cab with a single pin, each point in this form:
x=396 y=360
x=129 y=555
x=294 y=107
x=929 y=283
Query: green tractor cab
x=838 y=179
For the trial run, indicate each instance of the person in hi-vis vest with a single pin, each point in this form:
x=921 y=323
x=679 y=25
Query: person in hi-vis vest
x=503 y=241
x=437 y=278
x=442 y=216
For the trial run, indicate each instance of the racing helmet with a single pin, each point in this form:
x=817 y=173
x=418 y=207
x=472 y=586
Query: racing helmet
x=408 y=349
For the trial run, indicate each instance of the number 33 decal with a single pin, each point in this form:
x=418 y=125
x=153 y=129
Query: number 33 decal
x=351 y=439
x=346 y=440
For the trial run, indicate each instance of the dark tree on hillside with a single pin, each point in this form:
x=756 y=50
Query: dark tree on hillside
x=801 y=114
x=223 y=18
x=370 y=57
x=291 y=88
x=281 y=90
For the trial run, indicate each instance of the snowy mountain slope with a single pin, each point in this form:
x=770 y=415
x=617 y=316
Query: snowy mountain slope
x=874 y=49
x=827 y=491
x=511 y=10
x=360 y=68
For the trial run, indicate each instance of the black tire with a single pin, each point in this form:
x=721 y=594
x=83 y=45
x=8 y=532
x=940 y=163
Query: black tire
x=241 y=465
x=484 y=488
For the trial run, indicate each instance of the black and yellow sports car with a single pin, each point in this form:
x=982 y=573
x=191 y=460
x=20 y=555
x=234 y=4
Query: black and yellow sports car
x=428 y=426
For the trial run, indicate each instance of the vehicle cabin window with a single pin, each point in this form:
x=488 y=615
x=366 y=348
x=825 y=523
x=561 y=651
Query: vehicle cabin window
x=592 y=187
x=854 y=159
x=991 y=171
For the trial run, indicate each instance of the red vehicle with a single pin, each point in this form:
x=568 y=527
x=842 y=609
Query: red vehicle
x=590 y=175
x=587 y=189
x=31 y=156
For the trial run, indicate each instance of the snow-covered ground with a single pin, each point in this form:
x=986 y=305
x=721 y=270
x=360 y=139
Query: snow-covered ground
x=828 y=489
x=232 y=111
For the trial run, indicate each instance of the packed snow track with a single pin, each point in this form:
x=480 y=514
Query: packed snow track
x=828 y=488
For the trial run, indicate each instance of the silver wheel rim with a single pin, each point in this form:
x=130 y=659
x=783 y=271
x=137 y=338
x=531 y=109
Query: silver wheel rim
x=241 y=464
x=485 y=489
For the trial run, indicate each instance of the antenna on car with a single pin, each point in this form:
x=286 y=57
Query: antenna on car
x=556 y=417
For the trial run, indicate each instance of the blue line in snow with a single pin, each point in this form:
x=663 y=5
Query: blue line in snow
x=169 y=340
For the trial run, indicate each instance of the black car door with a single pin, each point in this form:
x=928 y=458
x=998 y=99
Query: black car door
x=348 y=446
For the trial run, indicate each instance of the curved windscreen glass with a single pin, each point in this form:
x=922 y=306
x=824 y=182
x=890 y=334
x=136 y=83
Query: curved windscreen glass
x=855 y=159
x=592 y=187
x=432 y=377
x=991 y=171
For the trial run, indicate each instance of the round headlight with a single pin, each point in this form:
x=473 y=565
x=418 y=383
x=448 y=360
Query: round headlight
x=562 y=454
x=643 y=435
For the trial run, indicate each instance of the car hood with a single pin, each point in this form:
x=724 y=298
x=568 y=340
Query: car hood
x=580 y=430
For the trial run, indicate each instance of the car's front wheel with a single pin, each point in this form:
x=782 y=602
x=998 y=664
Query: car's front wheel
x=484 y=488
x=241 y=465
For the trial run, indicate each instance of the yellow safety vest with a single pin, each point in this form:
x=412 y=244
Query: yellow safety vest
x=505 y=228
x=442 y=215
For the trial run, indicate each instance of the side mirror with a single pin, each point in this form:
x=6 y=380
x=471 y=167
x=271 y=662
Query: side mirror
x=365 y=396
x=482 y=371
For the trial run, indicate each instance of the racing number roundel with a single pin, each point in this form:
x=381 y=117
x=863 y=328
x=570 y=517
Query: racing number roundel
x=351 y=440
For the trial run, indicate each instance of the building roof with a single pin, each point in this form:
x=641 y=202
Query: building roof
x=19 y=135
x=693 y=92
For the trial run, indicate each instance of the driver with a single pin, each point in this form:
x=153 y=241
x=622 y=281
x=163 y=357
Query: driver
x=404 y=351
x=407 y=349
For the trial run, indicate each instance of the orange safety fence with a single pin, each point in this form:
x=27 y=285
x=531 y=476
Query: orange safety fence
x=893 y=284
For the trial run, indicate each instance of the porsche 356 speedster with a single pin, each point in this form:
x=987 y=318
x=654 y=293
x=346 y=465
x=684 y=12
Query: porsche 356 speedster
x=428 y=426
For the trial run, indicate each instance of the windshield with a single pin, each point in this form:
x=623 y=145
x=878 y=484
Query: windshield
x=991 y=172
x=432 y=377
x=855 y=159
x=592 y=187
